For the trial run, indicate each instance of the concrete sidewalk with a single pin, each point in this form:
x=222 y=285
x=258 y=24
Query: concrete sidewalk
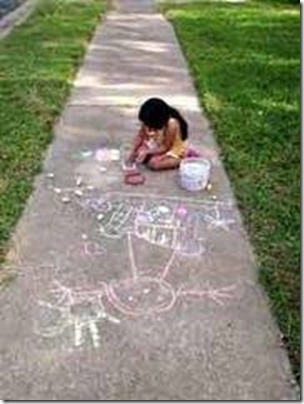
x=122 y=293
x=16 y=17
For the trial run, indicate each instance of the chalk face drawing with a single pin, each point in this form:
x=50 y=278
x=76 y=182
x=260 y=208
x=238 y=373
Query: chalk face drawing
x=141 y=295
x=78 y=310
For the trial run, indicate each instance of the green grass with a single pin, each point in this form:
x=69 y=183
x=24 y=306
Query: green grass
x=37 y=64
x=245 y=60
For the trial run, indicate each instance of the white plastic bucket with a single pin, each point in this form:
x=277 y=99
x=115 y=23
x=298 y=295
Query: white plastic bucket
x=194 y=173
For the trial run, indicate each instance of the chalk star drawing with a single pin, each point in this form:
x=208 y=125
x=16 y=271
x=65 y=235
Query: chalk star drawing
x=218 y=221
x=81 y=310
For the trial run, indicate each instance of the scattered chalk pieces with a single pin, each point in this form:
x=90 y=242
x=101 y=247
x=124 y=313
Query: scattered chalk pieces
x=214 y=197
x=57 y=190
x=88 y=153
x=209 y=186
x=84 y=236
x=107 y=154
x=50 y=175
x=90 y=187
x=163 y=209
x=78 y=192
x=66 y=199
x=78 y=181
x=102 y=169
x=100 y=216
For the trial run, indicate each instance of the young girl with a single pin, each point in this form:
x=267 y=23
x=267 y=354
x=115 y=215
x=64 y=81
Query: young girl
x=161 y=141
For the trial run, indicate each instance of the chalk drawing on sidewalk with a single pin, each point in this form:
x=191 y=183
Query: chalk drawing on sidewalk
x=107 y=154
x=78 y=310
x=175 y=225
x=167 y=222
x=172 y=226
x=92 y=249
x=170 y=222
x=216 y=220
x=104 y=154
x=81 y=311
x=142 y=295
x=217 y=295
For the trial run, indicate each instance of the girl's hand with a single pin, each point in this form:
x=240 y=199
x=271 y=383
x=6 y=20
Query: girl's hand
x=141 y=155
x=131 y=159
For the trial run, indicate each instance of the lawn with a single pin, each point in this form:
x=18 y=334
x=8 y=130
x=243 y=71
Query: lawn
x=245 y=60
x=37 y=64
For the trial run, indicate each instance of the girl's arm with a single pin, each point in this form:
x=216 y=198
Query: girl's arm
x=138 y=140
x=170 y=134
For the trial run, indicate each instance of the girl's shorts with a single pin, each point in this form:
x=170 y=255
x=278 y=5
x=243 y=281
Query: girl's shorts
x=174 y=155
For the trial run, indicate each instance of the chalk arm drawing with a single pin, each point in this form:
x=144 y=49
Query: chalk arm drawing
x=217 y=295
x=81 y=310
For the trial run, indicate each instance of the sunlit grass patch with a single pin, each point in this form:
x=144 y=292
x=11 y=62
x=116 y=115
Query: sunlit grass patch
x=38 y=61
x=245 y=60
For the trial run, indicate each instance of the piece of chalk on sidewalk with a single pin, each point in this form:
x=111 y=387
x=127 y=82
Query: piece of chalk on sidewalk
x=78 y=181
x=78 y=192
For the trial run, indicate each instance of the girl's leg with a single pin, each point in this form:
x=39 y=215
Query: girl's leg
x=163 y=162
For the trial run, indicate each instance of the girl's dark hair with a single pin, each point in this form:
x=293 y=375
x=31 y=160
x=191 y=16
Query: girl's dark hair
x=155 y=113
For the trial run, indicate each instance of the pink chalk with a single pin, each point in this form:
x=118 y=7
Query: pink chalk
x=182 y=211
